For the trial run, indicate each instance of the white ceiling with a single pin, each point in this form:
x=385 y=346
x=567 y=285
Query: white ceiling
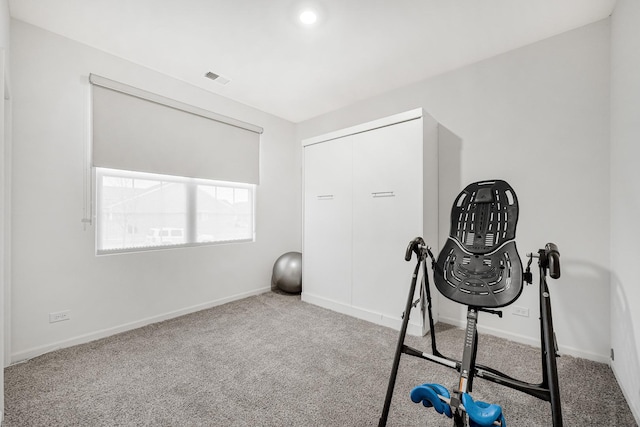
x=357 y=49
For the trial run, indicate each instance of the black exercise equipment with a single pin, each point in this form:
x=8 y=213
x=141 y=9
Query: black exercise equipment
x=479 y=267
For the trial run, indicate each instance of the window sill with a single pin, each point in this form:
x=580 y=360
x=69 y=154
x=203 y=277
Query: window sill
x=103 y=252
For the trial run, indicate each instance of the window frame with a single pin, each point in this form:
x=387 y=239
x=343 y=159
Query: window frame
x=191 y=209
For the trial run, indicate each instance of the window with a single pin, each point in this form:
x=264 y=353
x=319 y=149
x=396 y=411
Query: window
x=139 y=211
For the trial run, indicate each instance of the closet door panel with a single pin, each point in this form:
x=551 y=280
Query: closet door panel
x=327 y=242
x=387 y=210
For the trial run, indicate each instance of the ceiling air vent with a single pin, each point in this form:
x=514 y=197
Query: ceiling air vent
x=217 y=78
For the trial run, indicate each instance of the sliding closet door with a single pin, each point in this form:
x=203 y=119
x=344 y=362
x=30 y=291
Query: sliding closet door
x=327 y=221
x=387 y=215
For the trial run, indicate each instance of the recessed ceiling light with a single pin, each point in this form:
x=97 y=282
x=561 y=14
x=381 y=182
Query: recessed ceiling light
x=308 y=17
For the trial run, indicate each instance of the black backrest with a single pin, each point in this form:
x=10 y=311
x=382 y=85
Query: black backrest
x=479 y=264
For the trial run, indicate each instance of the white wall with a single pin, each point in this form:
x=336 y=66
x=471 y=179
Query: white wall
x=5 y=196
x=54 y=266
x=537 y=117
x=625 y=198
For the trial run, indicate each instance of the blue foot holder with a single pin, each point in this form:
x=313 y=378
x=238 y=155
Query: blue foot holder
x=428 y=395
x=482 y=414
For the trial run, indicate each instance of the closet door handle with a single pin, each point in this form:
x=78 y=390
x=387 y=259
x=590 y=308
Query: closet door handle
x=325 y=197
x=383 y=194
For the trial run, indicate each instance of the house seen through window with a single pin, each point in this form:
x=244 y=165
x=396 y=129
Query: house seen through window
x=138 y=211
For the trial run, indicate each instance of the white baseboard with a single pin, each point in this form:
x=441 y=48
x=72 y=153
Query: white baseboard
x=103 y=333
x=414 y=328
x=635 y=411
x=523 y=339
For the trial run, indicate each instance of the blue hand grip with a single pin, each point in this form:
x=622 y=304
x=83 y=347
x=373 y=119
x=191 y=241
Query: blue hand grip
x=482 y=414
x=428 y=395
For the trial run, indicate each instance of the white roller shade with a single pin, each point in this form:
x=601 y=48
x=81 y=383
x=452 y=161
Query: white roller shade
x=140 y=131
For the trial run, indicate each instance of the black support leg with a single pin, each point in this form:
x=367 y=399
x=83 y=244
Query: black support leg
x=400 y=345
x=549 y=354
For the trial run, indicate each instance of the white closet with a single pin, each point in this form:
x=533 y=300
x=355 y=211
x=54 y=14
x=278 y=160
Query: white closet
x=368 y=191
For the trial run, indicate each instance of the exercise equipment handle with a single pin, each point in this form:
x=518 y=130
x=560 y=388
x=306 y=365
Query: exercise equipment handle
x=414 y=246
x=553 y=257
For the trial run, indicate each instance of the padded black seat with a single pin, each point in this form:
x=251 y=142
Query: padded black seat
x=479 y=265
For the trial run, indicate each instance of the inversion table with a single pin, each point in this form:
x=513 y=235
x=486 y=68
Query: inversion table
x=479 y=267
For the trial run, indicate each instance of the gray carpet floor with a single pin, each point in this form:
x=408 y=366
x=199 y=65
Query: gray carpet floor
x=272 y=360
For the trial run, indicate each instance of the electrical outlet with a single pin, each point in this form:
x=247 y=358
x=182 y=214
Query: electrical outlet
x=59 y=316
x=520 y=311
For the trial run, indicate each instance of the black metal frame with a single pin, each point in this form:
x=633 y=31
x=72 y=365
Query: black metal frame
x=548 y=389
